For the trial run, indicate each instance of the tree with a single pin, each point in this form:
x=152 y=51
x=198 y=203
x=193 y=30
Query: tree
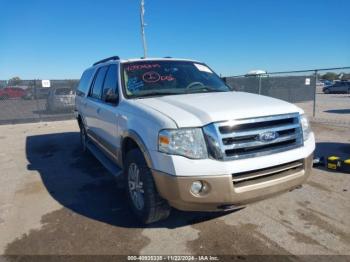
x=15 y=81
x=330 y=76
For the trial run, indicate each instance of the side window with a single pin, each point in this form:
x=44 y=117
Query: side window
x=98 y=83
x=84 y=82
x=110 y=86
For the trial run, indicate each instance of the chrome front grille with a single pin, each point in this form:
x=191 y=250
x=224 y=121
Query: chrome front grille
x=245 y=138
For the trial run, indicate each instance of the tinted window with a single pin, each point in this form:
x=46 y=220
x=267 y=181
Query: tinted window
x=111 y=81
x=98 y=83
x=84 y=82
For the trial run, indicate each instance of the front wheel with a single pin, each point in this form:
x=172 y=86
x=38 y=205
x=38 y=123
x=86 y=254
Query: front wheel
x=142 y=194
x=326 y=91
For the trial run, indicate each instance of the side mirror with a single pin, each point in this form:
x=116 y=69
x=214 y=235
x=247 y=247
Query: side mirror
x=111 y=97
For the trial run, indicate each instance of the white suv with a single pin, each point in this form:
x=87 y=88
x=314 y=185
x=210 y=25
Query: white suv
x=178 y=136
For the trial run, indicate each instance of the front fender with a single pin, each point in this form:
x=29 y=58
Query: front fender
x=140 y=143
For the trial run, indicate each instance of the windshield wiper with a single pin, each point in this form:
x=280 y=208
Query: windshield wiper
x=203 y=89
x=206 y=89
x=156 y=93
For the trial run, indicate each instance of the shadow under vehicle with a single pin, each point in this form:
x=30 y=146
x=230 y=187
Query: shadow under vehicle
x=81 y=184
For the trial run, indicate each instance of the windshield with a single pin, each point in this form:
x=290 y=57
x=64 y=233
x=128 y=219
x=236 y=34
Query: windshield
x=157 y=78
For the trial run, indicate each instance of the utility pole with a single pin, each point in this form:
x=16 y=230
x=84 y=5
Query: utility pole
x=315 y=91
x=143 y=28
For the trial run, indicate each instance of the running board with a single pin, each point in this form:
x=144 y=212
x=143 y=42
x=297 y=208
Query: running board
x=105 y=161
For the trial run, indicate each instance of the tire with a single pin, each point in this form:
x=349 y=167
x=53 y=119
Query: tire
x=83 y=137
x=326 y=91
x=149 y=207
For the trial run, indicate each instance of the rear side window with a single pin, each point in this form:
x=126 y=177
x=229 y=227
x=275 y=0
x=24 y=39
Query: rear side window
x=84 y=82
x=98 y=83
x=111 y=81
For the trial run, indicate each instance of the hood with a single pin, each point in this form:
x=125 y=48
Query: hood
x=195 y=110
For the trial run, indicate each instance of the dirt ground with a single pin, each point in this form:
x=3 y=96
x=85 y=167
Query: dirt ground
x=329 y=108
x=56 y=200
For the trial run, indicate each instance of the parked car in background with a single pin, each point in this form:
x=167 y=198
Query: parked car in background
x=12 y=92
x=327 y=82
x=37 y=93
x=320 y=84
x=60 y=98
x=342 y=87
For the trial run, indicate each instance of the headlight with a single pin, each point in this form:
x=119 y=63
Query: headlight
x=306 y=127
x=188 y=142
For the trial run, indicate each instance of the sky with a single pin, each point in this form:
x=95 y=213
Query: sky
x=51 y=39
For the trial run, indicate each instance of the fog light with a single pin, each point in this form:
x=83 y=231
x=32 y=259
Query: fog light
x=197 y=187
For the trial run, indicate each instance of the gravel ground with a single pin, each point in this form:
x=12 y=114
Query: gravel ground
x=330 y=108
x=55 y=200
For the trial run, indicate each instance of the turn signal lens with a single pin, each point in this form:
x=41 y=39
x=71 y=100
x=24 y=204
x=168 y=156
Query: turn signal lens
x=164 y=140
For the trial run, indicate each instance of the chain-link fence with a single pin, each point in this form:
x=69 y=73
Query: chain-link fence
x=36 y=100
x=324 y=94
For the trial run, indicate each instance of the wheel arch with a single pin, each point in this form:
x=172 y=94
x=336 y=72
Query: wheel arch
x=132 y=140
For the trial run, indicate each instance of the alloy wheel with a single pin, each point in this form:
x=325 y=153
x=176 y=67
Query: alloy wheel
x=136 y=187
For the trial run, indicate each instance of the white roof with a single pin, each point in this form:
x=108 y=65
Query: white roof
x=256 y=72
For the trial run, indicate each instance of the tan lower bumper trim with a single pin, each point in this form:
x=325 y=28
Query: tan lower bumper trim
x=176 y=189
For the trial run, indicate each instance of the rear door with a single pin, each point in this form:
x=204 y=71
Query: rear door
x=338 y=87
x=345 y=87
x=108 y=113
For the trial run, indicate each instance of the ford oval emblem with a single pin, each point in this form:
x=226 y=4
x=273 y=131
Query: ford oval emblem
x=268 y=136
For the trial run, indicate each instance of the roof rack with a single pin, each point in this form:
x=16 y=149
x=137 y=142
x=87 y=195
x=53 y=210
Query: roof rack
x=106 y=60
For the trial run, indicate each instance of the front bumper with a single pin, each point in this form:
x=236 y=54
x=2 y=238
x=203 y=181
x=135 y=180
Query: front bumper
x=222 y=191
